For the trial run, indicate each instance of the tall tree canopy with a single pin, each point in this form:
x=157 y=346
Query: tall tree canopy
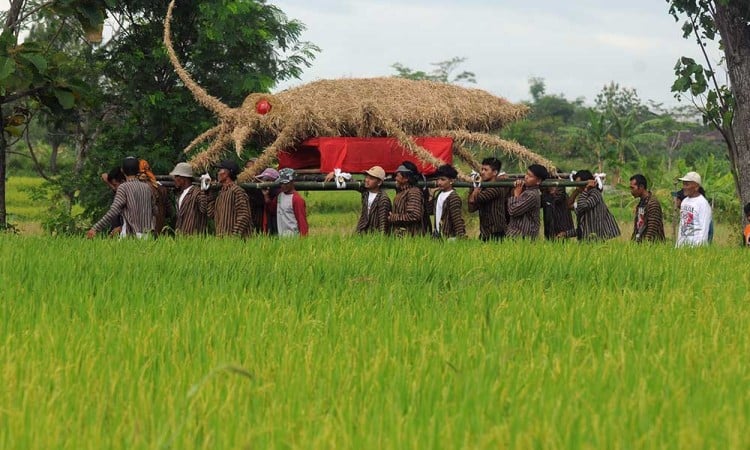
x=141 y=108
x=727 y=108
x=33 y=73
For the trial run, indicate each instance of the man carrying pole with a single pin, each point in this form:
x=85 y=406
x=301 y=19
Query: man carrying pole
x=134 y=201
x=490 y=202
x=192 y=207
x=230 y=208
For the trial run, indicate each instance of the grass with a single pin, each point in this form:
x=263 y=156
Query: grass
x=24 y=213
x=349 y=342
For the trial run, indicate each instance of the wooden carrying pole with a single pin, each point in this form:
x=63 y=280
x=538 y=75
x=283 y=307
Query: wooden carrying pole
x=360 y=185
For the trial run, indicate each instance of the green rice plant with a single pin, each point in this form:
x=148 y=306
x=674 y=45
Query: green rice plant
x=370 y=342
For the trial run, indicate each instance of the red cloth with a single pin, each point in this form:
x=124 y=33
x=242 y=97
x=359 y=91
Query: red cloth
x=359 y=154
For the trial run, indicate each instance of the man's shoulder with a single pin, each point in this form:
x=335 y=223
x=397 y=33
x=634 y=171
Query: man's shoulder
x=134 y=185
x=697 y=201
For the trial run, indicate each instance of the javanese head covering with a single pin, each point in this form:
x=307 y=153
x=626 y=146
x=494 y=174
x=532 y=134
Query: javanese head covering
x=145 y=173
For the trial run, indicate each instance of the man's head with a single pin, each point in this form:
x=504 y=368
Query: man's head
x=183 y=175
x=130 y=166
x=490 y=168
x=535 y=174
x=374 y=177
x=638 y=185
x=115 y=178
x=228 y=171
x=445 y=174
x=286 y=180
x=691 y=184
x=407 y=173
x=268 y=175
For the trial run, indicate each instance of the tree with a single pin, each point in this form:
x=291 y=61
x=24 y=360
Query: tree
x=621 y=101
x=232 y=48
x=595 y=136
x=30 y=71
x=727 y=108
x=442 y=73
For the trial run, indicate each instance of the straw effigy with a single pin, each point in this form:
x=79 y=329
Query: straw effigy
x=372 y=107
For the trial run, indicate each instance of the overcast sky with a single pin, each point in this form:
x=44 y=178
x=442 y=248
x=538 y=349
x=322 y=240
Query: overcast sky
x=577 y=46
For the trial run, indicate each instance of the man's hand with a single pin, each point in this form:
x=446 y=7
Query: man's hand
x=517 y=188
x=205 y=181
x=91 y=233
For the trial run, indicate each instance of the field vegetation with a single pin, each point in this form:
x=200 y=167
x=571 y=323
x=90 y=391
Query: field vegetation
x=355 y=342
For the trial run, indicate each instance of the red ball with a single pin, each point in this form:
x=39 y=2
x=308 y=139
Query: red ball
x=263 y=107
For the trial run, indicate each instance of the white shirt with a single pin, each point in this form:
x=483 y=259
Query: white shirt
x=370 y=200
x=695 y=220
x=439 y=208
x=182 y=196
x=285 y=219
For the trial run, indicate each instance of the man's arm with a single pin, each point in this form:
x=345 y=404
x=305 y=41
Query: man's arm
x=242 y=210
x=455 y=215
x=654 y=224
x=300 y=213
x=520 y=205
x=384 y=209
x=114 y=210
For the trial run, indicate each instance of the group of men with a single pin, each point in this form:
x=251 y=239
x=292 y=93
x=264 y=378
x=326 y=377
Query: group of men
x=279 y=211
x=503 y=212
x=515 y=212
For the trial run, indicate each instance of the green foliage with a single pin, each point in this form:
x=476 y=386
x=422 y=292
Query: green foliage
x=442 y=73
x=231 y=47
x=717 y=105
x=620 y=101
x=60 y=218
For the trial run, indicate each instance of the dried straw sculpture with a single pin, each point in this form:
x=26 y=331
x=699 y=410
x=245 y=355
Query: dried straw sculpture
x=373 y=107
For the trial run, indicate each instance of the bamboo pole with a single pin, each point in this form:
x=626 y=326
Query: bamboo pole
x=360 y=185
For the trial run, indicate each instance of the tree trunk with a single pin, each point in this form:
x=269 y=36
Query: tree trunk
x=53 y=156
x=735 y=35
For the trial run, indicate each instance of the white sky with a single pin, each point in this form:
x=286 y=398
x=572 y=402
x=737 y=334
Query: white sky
x=577 y=46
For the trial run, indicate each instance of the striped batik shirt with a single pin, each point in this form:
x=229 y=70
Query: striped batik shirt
x=648 y=224
x=523 y=213
x=135 y=202
x=451 y=222
x=408 y=212
x=192 y=212
x=374 y=219
x=595 y=222
x=491 y=203
x=230 y=210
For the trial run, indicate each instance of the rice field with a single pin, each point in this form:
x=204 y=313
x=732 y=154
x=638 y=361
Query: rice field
x=349 y=342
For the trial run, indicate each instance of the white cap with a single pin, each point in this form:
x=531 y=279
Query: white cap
x=183 y=170
x=691 y=176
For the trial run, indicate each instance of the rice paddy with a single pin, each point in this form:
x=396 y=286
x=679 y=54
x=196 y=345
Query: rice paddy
x=349 y=342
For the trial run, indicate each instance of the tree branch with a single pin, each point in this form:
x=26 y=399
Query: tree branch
x=54 y=38
x=18 y=95
x=37 y=166
x=34 y=11
x=708 y=62
x=12 y=19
